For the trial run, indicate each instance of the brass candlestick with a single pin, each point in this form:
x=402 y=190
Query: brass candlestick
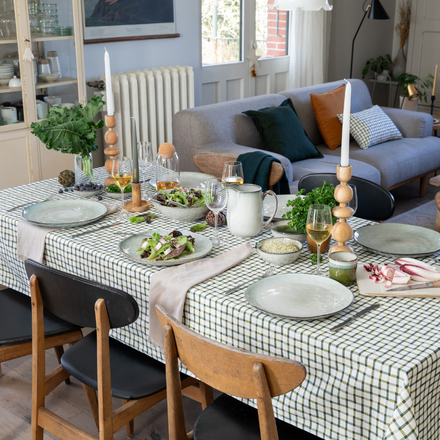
x=342 y=231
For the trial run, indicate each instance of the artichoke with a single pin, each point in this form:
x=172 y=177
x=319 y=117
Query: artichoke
x=66 y=178
x=210 y=219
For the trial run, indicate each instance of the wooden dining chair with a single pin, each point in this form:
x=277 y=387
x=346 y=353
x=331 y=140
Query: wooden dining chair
x=99 y=362
x=16 y=328
x=211 y=163
x=232 y=371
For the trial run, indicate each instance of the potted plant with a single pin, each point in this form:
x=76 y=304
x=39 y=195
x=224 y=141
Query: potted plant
x=422 y=86
x=380 y=66
x=300 y=207
x=72 y=131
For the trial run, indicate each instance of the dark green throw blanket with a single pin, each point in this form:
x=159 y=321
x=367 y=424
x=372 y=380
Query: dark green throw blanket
x=256 y=169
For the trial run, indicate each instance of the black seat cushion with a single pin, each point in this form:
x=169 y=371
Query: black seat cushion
x=134 y=375
x=16 y=319
x=228 y=418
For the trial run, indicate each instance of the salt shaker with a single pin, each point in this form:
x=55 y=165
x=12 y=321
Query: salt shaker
x=54 y=63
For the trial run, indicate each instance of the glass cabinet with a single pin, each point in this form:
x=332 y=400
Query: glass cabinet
x=52 y=32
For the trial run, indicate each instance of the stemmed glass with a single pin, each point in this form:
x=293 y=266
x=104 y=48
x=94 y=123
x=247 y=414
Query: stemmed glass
x=122 y=173
x=319 y=226
x=215 y=200
x=353 y=203
x=233 y=173
x=145 y=153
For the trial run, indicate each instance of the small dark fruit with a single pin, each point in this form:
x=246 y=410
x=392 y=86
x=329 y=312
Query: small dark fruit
x=60 y=191
x=99 y=197
x=210 y=219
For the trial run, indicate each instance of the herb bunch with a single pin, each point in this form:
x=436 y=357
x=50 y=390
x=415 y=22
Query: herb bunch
x=300 y=206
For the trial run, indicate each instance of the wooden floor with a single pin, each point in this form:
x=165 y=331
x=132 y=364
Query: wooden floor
x=69 y=402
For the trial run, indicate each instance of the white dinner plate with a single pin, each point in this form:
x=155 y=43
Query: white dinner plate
x=189 y=179
x=129 y=246
x=66 y=213
x=299 y=296
x=269 y=203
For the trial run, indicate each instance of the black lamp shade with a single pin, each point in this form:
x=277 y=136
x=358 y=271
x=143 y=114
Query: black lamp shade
x=377 y=12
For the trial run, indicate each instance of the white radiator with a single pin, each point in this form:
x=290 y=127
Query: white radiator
x=152 y=96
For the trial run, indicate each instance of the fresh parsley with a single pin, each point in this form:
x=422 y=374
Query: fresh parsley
x=112 y=188
x=314 y=259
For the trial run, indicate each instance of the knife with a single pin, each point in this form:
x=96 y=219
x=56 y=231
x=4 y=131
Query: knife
x=358 y=314
x=94 y=230
x=414 y=286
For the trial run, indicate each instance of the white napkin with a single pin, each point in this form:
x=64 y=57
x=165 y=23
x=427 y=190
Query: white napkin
x=169 y=286
x=31 y=239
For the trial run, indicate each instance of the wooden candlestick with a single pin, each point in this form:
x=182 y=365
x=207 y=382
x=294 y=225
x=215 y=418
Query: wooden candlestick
x=341 y=230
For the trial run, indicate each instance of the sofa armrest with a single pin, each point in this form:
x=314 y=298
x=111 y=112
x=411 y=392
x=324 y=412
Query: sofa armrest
x=410 y=124
x=228 y=148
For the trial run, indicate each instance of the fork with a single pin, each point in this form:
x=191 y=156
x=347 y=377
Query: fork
x=266 y=274
x=30 y=203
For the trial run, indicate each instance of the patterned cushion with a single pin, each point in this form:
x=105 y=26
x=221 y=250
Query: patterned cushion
x=371 y=127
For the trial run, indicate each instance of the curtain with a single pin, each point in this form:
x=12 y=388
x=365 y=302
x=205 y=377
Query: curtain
x=309 y=47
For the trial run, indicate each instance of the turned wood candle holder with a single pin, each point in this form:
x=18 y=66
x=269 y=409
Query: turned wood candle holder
x=341 y=230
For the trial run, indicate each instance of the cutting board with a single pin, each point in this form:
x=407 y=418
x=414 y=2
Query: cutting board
x=370 y=288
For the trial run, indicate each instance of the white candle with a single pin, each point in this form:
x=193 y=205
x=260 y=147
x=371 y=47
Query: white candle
x=345 y=145
x=108 y=86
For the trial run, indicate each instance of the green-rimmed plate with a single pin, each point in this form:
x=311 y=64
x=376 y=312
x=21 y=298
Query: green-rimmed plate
x=299 y=296
x=129 y=246
x=67 y=213
x=398 y=240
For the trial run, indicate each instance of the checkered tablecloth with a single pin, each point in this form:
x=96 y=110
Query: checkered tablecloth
x=378 y=378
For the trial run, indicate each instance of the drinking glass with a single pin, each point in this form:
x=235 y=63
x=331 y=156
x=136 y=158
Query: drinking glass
x=122 y=173
x=319 y=226
x=233 y=173
x=215 y=200
x=353 y=203
x=145 y=152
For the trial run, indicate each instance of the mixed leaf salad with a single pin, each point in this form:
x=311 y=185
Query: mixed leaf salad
x=186 y=196
x=166 y=247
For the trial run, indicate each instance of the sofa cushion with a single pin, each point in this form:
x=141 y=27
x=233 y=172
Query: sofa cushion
x=326 y=107
x=282 y=132
x=372 y=127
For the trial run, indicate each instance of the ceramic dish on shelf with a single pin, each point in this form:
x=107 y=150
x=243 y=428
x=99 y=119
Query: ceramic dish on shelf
x=129 y=246
x=67 y=213
x=398 y=240
x=299 y=296
x=49 y=77
x=189 y=179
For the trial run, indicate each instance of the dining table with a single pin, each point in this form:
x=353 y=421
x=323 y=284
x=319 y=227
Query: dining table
x=377 y=378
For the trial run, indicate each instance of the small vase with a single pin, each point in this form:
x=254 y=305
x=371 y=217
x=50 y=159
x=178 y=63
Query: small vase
x=383 y=76
x=398 y=66
x=83 y=168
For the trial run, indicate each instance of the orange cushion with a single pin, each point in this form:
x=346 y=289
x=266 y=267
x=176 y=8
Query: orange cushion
x=326 y=108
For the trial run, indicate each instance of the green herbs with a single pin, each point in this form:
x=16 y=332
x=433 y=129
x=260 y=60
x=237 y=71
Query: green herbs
x=185 y=196
x=112 y=188
x=142 y=218
x=71 y=130
x=198 y=228
x=314 y=259
x=300 y=206
x=167 y=247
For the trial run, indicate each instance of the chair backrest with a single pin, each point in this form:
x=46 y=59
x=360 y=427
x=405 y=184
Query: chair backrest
x=374 y=202
x=73 y=298
x=229 y=369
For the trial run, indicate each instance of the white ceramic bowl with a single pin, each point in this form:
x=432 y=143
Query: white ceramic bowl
x=181 y=214
x=117 y=196
x=279 y=259
x=52 y=100
x=86 y=194
x=49 y=77
x=278 y=230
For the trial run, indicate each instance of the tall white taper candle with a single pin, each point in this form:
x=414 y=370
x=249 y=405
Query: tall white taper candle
x=345 y=144
x=108 y=86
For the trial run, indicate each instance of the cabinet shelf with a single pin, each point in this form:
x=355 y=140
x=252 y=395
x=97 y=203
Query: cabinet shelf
x=7 y=89
x=50 y=37
x=60 y=82
x=5 y=40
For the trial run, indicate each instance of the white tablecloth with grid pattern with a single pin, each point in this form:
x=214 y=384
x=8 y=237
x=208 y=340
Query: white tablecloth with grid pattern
x=378 y=378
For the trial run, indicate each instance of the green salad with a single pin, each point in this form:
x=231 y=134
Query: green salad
x=186 y=196
x=166 y=247
x=112 y=188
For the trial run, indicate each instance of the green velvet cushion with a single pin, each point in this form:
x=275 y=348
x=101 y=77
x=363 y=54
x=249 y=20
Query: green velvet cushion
x=282 y=132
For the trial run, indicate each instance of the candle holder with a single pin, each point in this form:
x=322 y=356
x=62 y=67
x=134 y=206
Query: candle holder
x=341 y=230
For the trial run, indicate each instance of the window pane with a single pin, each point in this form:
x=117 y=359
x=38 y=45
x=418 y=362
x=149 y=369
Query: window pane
x=271 y=30
x=221 y=31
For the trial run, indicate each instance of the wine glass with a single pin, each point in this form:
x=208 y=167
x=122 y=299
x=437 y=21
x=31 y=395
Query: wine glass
x=319 y=226
x=353 y=203
x=233 y=173
x=145 y=152
x=122 y=173
x=215 y=200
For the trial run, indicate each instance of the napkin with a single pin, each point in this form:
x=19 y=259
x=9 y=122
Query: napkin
x=169 y=286
x=31 y=239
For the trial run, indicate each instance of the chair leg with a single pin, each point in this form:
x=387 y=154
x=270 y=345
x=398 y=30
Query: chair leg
x=59 y=351
x=129 y=427
x=93 y=402
x=207 y=395
x=423 y=181
x=1 y=370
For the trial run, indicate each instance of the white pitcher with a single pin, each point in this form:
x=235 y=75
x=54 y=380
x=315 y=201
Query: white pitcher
x=245 y=209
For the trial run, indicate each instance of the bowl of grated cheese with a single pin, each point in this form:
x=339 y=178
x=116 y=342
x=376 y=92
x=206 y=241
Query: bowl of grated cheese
x=279 y=251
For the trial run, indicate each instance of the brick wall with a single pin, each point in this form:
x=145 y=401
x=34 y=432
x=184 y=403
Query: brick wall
x=276 y=45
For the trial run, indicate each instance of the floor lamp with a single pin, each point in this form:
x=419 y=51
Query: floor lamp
x=375 y=11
